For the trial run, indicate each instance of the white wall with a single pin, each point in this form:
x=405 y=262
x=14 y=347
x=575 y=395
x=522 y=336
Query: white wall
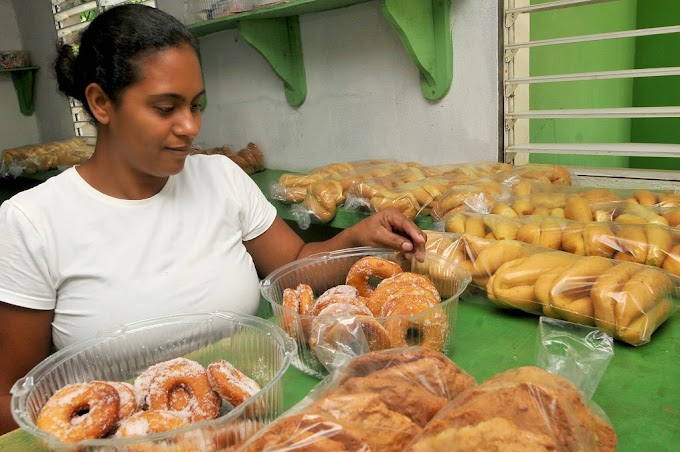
x=364 y=98
x=15 y=128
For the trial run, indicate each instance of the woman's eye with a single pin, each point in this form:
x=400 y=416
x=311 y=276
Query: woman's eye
x=165 y=109
x=196 y=107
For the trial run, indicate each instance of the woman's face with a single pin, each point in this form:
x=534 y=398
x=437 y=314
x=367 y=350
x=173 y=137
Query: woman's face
x=158 y=117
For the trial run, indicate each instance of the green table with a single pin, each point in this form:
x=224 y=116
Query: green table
x=640 y=392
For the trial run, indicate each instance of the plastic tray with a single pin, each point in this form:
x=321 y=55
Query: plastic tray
x=326 y=270
x=258 y=348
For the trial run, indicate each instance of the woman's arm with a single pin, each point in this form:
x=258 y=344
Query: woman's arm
x=25 y=340
x=388 y=228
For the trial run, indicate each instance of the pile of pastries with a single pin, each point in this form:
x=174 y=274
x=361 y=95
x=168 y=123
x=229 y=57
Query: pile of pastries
x=398 y=311
x=250 y=158
x=33 y=158
x=416 y=399
x=166 y=396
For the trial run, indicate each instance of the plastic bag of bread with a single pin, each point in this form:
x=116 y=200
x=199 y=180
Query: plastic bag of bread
x=627 y=300
x=645 y=243
x=525 y=408
x=361 y=193
x=323 y=197
x=292 y=187
x=499 y=187
x=378 y=401
x=35 y=158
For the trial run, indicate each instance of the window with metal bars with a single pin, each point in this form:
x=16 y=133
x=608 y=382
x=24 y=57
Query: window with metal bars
x=71 y=17
x=593 y=85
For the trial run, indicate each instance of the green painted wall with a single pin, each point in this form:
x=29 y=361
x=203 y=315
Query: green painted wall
x=582 y=57
x=657 y=51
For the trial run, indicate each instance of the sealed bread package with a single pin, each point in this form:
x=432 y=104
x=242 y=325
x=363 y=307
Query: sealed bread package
x=42 y=157
x=526 y=408
x=378 y=401
x=645 y=243
x=323 y=197
x=627 y=300
x=291 y=187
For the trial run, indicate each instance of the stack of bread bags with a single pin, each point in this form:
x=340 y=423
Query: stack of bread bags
x=417 y=399
x=480 y=186
x=627 y=300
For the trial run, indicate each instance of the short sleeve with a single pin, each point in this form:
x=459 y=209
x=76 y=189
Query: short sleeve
x=24 y=273
x=257 y=213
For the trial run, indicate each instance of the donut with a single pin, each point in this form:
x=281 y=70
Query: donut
x=128 y=399
x=325 y=326
x=299 y=300
x=192 y=377
x=387 y=288
x=149 y=422
x=230 y=383
x=361 y=274
x=342 y=293
x=80 y=411
x=416 y=322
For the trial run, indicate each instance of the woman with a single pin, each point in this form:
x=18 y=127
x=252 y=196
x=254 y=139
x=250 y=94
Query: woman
x=142 y=229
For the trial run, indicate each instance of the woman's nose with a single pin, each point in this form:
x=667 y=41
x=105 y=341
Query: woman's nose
x=188 y=123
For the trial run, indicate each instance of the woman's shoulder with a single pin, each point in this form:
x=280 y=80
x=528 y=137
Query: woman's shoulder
x=48 y=192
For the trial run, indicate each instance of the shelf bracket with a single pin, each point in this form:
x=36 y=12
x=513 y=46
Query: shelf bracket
x=424 y=27
x=22 y=79
x=278 y=41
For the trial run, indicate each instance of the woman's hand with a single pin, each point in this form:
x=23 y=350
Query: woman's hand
x=389 y=228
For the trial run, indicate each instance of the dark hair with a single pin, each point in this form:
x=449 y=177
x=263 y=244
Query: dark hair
x=111 y=46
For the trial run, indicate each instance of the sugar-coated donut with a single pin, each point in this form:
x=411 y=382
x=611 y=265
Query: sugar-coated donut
x=368 y=268
x=128 y=399
x=191 y=376
x=230 y=383
x=343 y=293
x=429 y=323
x=80 y=411
x=300 y=299
x=389 y=287
x=149 y=422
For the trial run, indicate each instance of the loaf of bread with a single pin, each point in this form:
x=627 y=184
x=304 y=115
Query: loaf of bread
x=526 y=408
x=250 y=158
x=625 y=299
x=379 y=401
x=644 y=243
x=42 y=157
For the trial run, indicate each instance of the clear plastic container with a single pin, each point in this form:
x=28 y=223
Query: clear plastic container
x=258 y=348
x=325 y=270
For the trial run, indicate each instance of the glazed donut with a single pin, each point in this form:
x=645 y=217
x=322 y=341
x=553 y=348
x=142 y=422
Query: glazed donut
x=191 y=376
x=342 y=293
x=230 y=383
x=361 y=274
x=412 y=315
x=299 y=300
x=127 y=396
x=149 y=422
x=404 y=280
x=80 y=411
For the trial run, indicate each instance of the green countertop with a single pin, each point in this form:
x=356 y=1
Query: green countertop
x=640 y=391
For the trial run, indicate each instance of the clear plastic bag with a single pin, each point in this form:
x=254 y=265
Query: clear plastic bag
x=626 y=300
x=576 y=352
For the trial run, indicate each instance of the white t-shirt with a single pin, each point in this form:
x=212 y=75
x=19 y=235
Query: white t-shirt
x=101 y=262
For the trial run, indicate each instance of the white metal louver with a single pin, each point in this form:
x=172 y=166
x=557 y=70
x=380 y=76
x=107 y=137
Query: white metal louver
x=517 y=113
x=70 y=18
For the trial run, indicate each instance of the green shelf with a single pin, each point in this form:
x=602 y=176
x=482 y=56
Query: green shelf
x=274 y=31
x=22 y=78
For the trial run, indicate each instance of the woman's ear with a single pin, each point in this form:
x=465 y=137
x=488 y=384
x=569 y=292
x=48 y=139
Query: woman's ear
x=99 y=102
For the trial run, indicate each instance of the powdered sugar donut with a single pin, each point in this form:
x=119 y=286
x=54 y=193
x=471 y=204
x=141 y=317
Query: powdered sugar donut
x=80 y=411
x=368 y=268
x=149 y=422
x=230 y=383
x=339 y=294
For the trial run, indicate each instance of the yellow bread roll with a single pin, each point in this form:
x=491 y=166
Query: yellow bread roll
x=570 y=296
x=577 y=208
